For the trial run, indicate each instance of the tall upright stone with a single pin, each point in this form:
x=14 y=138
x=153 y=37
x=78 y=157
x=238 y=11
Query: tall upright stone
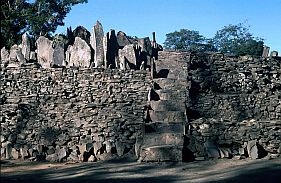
x=45 y=52
x=16 y=57
x=97 y=38
x=110 y=49
x=79 y=54
x=265 y=52
x=4 y=55
x=145 y=54
x=25 y=46
x=58 y=56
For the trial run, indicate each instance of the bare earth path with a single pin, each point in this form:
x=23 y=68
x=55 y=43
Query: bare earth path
x=123 y=171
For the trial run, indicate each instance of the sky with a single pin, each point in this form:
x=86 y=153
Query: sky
x=142 y=17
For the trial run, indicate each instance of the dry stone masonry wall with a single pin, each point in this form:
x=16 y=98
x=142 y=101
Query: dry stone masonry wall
x=233 y=105
x=72 y=114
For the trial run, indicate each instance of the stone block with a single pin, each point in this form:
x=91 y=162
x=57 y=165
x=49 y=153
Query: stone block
x=161 y=153
x=252 y=149
x=167 y=116
x=167 y=105
x=162 y=139
x=211 y=149
x=120 y=147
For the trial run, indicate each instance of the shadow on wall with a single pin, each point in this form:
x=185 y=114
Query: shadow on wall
x=163 y=73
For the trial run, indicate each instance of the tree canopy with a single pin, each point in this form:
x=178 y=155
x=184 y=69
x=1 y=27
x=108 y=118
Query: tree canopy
x=237 y=40
x=189 y=40
x=232 y=39
x=38 y=17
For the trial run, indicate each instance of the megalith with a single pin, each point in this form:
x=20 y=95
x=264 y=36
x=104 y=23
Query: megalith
x=79 y=54
x=25 y=46
x=97 y=38
x=127 y=56
x=44 y=52
x=110 y=50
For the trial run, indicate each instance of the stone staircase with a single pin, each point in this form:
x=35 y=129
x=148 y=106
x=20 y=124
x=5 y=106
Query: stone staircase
x=163 y=137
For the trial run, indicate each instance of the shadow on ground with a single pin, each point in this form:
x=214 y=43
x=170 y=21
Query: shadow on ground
x=125 y=172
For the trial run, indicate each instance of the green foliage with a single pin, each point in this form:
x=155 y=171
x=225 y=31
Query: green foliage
x=232 y=39
x=237 y=40
x=39 y=17
x=189 y=40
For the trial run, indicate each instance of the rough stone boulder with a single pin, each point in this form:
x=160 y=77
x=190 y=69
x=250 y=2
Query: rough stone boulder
x=122 y=39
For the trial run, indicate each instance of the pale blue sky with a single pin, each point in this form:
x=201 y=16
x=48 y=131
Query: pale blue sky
x=141 y=17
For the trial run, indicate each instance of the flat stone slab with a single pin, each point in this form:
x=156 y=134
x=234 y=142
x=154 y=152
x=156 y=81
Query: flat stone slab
x=164 y=127
x=162 y=153
x=171 y=94
x=167 y=116
x=153 y=139
x=167 y=105
x=167 y=83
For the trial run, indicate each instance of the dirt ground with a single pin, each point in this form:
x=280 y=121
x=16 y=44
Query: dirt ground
x=226 y=170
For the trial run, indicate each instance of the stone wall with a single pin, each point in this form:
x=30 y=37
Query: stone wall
x=73 y=114
x=233 y=105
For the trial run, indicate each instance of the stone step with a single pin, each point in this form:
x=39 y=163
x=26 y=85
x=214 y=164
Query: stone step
x=167 y=105
x=171 y=94
x=161 y=153
x=164 y=127
x=153 y=139
x=167 y=116
x=168 y=83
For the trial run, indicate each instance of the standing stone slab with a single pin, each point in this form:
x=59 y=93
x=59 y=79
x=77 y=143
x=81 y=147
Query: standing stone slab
x=16 y=57
x=58 y=56
x=79 y=54
x=25 y=46
x=252 y=149
x=128 y=56
x=145 y=54
x=97 y=44
x=44 y=52
x=110 y=49
x=265 y=52
x=4 y=55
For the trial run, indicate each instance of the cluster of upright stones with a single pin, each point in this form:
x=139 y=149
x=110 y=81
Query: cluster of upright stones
x=165 y=126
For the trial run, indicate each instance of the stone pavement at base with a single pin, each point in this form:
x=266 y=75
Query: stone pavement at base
x=225 y=170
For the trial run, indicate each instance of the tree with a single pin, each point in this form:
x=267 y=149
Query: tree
x=39 y=17
x=189 y=40
x=237 y=40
